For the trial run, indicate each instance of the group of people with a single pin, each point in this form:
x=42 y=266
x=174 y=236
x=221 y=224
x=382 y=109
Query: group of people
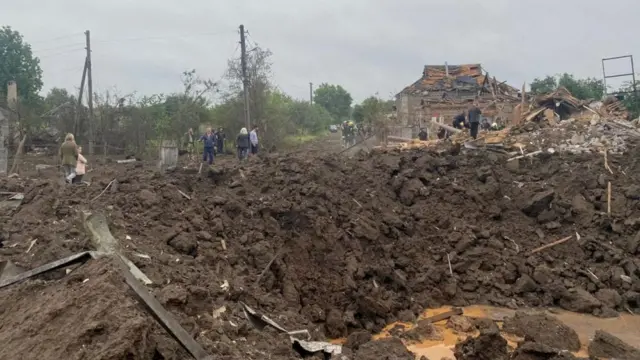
x=348 y=133
x=214 y=143
x=72 y=161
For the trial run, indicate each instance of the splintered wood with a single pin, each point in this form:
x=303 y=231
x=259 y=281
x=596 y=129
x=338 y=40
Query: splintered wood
x=544 y=247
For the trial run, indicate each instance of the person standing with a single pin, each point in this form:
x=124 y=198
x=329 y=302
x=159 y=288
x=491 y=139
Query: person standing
x=474 y=120
x=80 y=167
x=253 y=138
x=68 y=157
x=242 y=143
x=208 y=140
x=221 y=139
x=190 y=141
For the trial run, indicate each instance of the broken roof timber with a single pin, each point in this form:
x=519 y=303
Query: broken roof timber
x=466 y=77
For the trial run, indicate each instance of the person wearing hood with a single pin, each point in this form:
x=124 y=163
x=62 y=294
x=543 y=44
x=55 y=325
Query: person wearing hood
x=69 y=157
x=242 y=143
x=209 y=140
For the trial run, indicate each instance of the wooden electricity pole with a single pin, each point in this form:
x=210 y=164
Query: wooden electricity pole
x=310 y=93
x=245 y=80
x=90 y=90
x=76 y=128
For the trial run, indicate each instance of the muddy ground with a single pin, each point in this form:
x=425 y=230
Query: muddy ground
x=358 y=242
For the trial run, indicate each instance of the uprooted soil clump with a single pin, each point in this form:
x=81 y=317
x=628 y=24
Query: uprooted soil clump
x=605 y=345
x=349 y=244
x=542 y=329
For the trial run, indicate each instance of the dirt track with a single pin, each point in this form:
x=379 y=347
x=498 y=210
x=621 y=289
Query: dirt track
x=363 y=241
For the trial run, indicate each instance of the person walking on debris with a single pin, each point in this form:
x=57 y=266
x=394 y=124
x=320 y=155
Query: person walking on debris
x=209 y=140
x=69 y=157
x=474 y=120
x=80 y=167
x=423 y=135
x=242 y=143
x=253 y=138
x=221 y=139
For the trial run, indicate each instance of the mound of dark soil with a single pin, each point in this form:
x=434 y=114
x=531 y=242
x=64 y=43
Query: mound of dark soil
x=542 y=329
x=349 y=244
x=86 y=314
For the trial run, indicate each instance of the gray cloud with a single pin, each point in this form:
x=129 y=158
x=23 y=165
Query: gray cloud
x=366 y=46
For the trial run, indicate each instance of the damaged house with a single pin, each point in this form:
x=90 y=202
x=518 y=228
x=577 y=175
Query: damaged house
x=443 y=91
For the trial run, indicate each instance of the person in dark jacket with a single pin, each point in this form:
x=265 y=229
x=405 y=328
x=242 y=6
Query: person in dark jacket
x=242 y=143
x=221 y=139
x=423 y=135
x=474 y=120
x=209 y=140
x=459 y=122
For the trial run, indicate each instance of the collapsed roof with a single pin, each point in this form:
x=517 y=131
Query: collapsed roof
x=466 y=77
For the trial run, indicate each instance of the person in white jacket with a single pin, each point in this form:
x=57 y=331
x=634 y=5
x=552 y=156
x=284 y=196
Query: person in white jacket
x=80 y=167
x=253 y=138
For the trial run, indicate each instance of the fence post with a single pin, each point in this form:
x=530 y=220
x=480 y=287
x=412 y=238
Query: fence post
x=168 y=155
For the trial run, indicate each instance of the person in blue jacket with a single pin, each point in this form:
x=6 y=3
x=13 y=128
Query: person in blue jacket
x=209 y=140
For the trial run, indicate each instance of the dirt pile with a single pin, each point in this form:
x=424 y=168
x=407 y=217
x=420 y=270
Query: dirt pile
x=605 y=345
x=490 y=345
x=542 y=329
x=90 y=306
x=350 y=244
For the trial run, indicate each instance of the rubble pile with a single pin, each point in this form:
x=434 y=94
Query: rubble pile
x=337 y=245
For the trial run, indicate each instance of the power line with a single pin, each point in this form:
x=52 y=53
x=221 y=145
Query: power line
x=163 y=37
x=60 y=53
x=55 y=38
x=57 y=47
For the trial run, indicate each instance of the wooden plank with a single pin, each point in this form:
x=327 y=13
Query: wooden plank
x=444 y=315
x=76 y=258
x=164 y=317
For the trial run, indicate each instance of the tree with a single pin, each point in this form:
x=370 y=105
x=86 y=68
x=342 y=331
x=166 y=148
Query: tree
x=631 y=100
x=17 y=63
x=543 y=86
x=59 y=108
x=335 y=99
x=371 y=109
x=583 y=89
x=357 y=113
x=309 y=118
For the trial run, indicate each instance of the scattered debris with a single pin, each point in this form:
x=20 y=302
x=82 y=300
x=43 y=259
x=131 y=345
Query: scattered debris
x=544 y=247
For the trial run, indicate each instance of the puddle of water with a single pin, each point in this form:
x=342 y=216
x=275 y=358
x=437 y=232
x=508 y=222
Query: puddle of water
x=626 y=327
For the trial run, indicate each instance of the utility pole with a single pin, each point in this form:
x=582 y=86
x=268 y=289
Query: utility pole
x=90 y=90
x=310 y=93
x=76 y=128
x=245 y=80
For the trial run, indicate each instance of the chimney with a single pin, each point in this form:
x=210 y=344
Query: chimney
x=446 y=68
x=12 y=95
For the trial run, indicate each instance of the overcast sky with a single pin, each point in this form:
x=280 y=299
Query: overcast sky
x=366 y=46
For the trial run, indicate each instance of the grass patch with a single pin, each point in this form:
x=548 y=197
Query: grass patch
x=295 y=140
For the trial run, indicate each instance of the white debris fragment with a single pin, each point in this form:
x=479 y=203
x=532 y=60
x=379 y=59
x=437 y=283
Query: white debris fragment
x=225 y=286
